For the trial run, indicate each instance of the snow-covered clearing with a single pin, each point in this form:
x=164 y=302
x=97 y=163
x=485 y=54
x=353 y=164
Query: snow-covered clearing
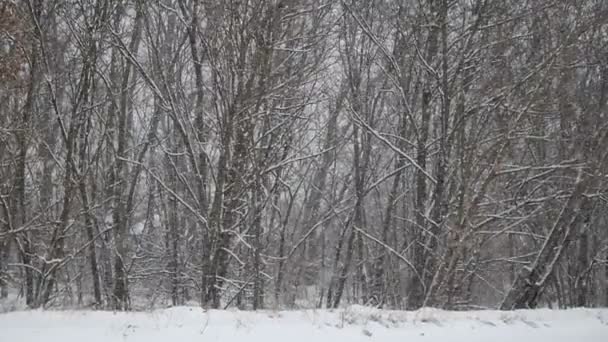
x=184 y=324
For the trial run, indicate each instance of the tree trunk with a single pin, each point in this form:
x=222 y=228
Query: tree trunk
x=532 y=280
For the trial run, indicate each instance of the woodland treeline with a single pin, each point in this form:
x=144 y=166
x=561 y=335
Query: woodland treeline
x=304 y=153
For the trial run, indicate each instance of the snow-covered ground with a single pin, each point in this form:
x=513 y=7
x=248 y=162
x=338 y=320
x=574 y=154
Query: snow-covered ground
x=184 y=324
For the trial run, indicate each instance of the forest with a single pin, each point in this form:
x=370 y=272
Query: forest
x=260 y=154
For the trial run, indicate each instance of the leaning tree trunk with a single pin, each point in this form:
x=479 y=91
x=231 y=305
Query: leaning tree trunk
x=574 y=216
x=531 y=281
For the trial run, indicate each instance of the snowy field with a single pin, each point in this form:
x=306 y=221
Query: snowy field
x=186 y=324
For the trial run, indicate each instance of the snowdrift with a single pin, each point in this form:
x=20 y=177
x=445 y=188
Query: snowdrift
x=184 y=324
